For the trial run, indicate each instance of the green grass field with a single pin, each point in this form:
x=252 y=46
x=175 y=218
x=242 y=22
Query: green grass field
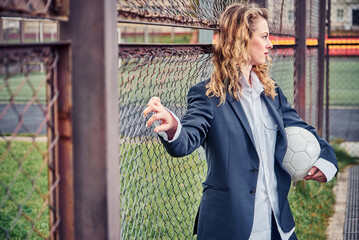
x=159 y=194
x=23 y=189
x=22 y=88
x=344 y=82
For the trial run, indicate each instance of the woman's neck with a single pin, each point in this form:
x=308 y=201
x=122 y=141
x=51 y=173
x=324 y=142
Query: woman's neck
x=246 y=70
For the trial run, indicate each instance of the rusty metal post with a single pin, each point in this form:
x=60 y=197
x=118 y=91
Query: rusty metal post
x=1 y=31
x=327 y=122
x=321 y=60
x=94 y=117
x=21 y=31
x=64 y=163
x=300 y=58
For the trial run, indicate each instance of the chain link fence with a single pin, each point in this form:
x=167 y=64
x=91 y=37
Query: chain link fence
x=28 y=179
x=311 y=87
x=343 y=70
x=343 y=18
x=198 y=14
x=160 y=194
x=34 y=8
x=282 y=17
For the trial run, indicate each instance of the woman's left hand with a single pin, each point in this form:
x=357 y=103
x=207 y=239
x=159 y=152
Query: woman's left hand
x=316 y=175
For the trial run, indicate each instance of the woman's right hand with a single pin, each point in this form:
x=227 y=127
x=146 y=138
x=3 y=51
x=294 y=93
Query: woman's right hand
x=167 y=124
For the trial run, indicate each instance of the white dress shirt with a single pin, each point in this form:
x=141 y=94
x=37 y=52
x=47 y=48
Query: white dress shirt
x=264 y=130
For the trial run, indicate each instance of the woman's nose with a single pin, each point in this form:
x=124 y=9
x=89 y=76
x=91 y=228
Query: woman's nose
x=269 y=45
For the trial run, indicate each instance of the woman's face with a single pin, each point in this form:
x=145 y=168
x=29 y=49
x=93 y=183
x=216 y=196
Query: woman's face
x=259 y=44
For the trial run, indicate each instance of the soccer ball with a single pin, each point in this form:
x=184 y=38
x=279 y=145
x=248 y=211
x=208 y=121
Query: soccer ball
x=302 y=151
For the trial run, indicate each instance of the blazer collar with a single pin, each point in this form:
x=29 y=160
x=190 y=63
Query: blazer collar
x=238 y=109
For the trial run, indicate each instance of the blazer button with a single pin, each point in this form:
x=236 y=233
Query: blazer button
x=255 y=170
x=252 y=191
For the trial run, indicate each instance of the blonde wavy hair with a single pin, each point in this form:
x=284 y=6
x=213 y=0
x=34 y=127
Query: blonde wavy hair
x=236 y=26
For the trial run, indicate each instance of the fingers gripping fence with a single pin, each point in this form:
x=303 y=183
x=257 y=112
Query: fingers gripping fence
x=159 y=194
x=28 y=177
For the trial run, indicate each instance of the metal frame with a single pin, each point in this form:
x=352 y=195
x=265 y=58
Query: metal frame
x=300 y=58
x=321 y=59
x=93 y=60
x=59 y=11
x=60 y=175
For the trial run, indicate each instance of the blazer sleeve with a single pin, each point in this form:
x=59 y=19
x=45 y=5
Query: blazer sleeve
x=195 y=123
x=291 y=118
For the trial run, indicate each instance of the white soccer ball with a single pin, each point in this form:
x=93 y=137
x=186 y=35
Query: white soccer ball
x=302 y=151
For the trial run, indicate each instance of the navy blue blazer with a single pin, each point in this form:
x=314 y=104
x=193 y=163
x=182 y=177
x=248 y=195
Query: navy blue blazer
x=227 y=205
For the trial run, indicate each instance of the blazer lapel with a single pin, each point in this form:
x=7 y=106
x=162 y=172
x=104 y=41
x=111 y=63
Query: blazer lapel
x=238 y=109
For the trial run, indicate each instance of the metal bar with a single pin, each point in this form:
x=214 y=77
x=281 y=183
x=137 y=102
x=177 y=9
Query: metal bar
x=300 y=58
x=321 y=59
x=345 y=36
x=34 y=45
x=342 y=44
x=143 y=49
x=284 y=46
x=65 y=193
x=45 y=16
x=53 y=153
x=327 y=123
x=94 y=117
x=1 y=31
x=21 y=30
x=328 y=18
x=165 y=24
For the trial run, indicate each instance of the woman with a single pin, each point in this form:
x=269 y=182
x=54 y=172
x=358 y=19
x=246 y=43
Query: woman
x=239 y=116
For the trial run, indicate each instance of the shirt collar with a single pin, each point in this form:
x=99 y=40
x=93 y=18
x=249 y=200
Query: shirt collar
x=256 y=88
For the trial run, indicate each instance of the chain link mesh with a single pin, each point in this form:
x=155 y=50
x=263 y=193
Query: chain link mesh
x=202 y=13
x=311 y=87
x=282 y=16
x=33 y=7
x=159 y=194
x=344 y=18
x=282 y=70
x=27 y=174
x=343 y=92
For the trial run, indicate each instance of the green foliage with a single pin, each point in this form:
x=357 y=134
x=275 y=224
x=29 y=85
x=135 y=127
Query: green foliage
x=312 y=202
x=159 y=194
x=23 y=189
x=312 y=205
x=170 y=188
x=22 y=88
x=344 y=81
